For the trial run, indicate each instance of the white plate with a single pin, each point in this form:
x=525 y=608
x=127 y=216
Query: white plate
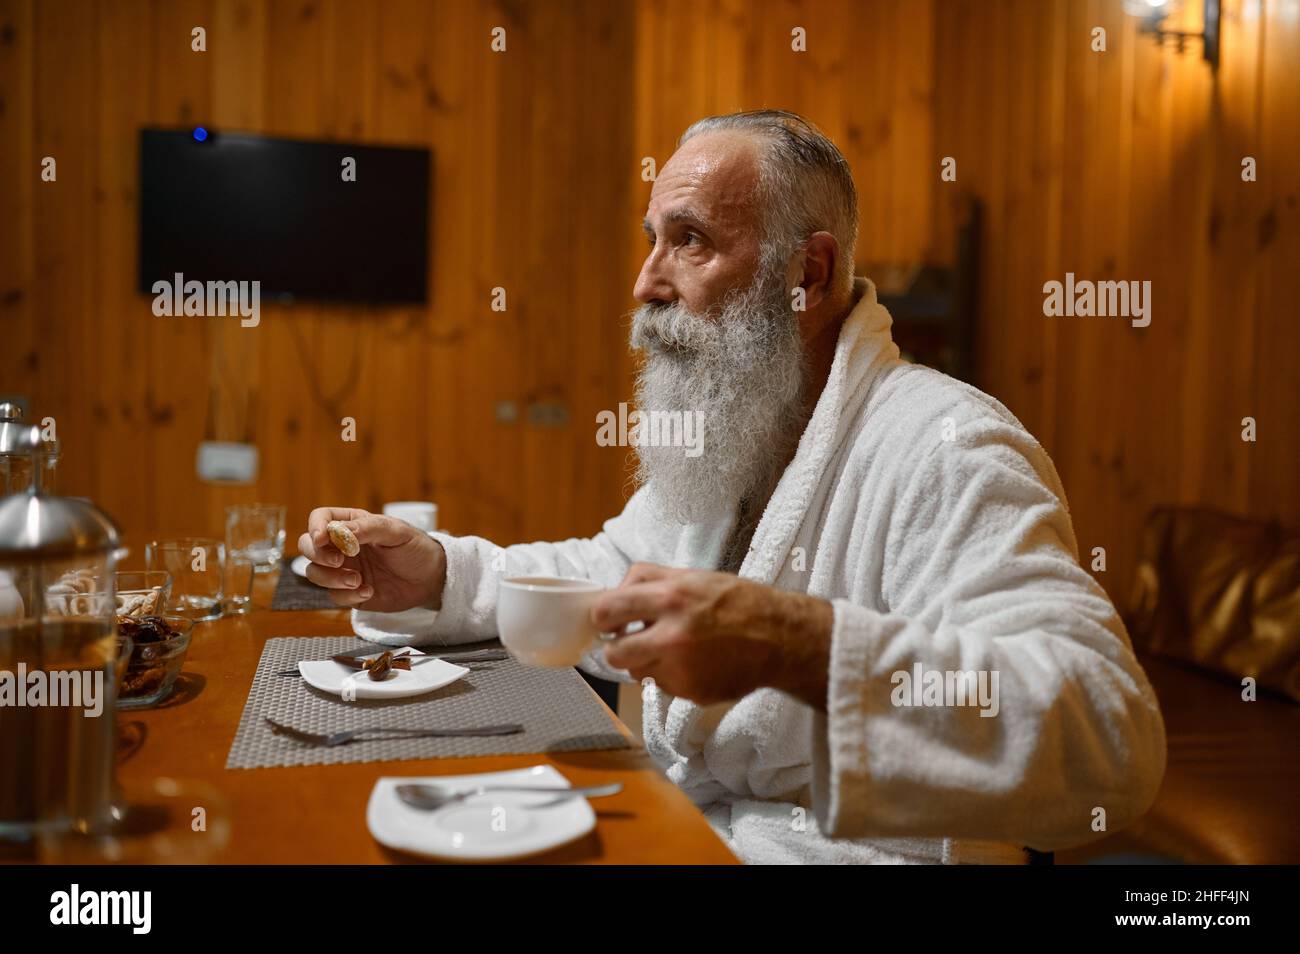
x=299 y=566
x=425 y=675
x=494 y=826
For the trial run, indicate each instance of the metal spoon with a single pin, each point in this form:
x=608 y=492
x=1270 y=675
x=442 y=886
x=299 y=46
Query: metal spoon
x=431 y=797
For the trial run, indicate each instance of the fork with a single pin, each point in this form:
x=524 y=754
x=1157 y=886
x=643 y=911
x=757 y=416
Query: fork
x=381 y=733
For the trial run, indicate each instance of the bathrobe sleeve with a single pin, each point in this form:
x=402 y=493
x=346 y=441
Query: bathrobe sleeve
x=475 y=567
x=980 y=575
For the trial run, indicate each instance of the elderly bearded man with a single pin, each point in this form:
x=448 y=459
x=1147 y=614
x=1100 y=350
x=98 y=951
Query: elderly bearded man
x=854 y=522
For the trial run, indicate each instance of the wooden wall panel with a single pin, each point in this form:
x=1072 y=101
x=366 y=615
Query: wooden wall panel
x=19 y=180
x=1123 y=164
x=1272 y=487
x=1147 y=144
x=532 y=174
x=64 y=113
x=1219 y=349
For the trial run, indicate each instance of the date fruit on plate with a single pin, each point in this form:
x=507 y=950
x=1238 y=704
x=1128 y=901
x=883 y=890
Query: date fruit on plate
x=383 y=664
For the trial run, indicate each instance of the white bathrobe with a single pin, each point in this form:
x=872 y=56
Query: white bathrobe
x=938 y=529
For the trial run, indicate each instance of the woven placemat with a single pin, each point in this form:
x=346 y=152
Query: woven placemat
x=292 y=592
x=558 y=710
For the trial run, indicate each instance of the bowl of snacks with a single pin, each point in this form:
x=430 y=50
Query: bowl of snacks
x=80 y=592
x=143 y=592
x=137 y=593
x=158 y=647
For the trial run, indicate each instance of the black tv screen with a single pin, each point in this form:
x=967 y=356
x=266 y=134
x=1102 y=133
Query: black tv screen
x=235 y=207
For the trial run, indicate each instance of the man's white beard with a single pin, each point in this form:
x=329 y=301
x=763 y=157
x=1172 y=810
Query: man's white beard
x=741 y=373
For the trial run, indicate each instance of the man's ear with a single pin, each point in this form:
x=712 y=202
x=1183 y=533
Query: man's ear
x=817 y=263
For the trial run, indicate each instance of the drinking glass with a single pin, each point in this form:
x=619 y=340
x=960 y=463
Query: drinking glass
x=255 y=532
x=240 y=571
x=197 y=567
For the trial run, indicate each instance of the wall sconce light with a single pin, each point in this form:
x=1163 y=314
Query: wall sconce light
x=1154 y=12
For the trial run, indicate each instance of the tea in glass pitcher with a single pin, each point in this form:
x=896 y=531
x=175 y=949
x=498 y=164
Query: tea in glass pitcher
x=58 y=656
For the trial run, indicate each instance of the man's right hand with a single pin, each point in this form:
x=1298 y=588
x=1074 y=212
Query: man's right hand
x=398 y=568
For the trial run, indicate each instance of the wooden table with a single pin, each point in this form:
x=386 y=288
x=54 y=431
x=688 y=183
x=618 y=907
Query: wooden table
x=316 y=814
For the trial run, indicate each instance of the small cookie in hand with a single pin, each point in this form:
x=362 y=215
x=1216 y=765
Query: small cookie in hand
x=343 y=538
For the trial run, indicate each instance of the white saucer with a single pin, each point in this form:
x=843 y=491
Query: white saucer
x=299 y=566
x=494 y=826
x=425 y=675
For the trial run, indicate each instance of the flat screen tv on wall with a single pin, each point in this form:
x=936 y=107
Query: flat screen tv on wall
x=292 y=214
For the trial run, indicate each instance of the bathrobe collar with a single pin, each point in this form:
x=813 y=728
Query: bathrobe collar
x=865 y=346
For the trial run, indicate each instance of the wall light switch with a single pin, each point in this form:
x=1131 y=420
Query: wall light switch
x=548 y=414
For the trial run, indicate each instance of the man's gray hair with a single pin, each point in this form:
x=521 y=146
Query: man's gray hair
x=805 y=185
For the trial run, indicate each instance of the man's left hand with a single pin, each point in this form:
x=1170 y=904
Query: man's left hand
x=713 y=637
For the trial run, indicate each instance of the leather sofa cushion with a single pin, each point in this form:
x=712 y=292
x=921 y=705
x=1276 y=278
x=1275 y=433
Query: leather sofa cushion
x=1221 y=593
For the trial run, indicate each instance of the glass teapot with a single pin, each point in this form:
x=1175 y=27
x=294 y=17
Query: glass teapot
x=58 y=659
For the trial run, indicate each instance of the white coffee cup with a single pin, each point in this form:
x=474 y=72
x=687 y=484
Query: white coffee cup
x=546 y=620
x=420 y=514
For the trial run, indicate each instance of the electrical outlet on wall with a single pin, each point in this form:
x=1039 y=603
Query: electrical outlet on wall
x=226 y=462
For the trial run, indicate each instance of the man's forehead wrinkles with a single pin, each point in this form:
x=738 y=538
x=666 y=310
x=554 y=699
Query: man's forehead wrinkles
x=683 y=203
x=709 y=208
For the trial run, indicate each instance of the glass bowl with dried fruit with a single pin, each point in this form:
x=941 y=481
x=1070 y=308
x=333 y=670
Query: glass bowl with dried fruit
x=159 y=644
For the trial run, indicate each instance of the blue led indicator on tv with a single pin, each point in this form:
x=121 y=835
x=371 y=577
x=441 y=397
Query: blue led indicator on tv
x=200 y=134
